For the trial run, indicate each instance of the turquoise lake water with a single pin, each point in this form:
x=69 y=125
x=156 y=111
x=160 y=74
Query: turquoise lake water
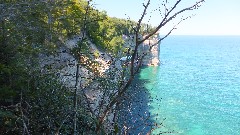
x=198 y=83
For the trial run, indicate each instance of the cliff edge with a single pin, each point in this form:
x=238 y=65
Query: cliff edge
x=151 y=48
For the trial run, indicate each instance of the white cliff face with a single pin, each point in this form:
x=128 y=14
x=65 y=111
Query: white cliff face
x=66 y=63
x=152 y=55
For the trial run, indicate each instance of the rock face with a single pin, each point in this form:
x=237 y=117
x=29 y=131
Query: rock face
x=150 y=47
x=66 y=63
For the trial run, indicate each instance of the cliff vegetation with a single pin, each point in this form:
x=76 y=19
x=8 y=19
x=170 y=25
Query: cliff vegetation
x=66 y=68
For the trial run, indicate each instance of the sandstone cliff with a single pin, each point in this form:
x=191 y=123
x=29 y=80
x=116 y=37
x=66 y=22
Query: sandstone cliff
x=151 y=48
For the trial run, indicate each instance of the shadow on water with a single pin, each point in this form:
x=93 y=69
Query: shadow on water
x=135 y=112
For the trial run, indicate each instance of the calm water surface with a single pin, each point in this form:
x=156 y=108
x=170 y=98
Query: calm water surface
x=199 y=83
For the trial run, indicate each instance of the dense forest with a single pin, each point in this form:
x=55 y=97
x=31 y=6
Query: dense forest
x=33 y=99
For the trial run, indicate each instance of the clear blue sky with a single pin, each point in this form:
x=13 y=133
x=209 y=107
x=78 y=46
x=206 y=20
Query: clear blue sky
x=215 y=17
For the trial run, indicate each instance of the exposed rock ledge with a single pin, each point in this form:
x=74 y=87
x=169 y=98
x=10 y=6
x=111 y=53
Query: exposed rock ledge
x=152 y=57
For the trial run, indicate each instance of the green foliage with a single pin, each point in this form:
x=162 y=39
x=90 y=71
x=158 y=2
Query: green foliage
x=96 y=54
x=27 y=94
x=34 y=95
x=107 y=33
x=29 y=30
x=48 y=99
x=116 y=43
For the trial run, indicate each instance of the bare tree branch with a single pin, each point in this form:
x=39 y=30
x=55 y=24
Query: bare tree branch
x=165 y=20
x=117 y=96
x=143 y=14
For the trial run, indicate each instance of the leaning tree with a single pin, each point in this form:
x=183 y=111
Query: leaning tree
x=117 y=80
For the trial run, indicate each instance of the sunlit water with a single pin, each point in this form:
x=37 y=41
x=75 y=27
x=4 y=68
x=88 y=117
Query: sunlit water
x=199 y=83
